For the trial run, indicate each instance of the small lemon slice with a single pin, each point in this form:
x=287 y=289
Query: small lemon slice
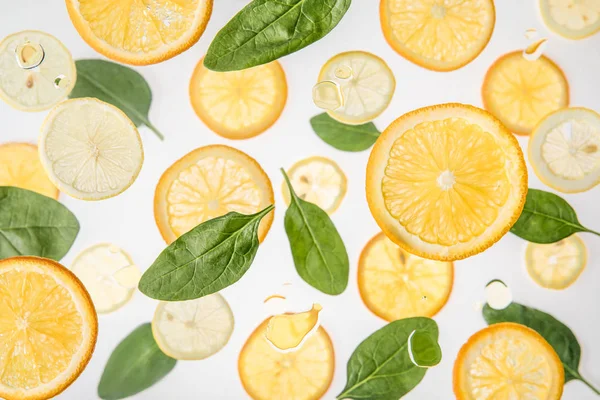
x=207 y=183
x=109 y=274
x=438 y=35
x=572 y=19
x=194 y=329
x=239 y=104
x=520 y=92
x=556 y=265
x=318 y=180
x=395 y=284
x=269 y=374
x=90 y=149
x=20 y=166
x=508 y=361
x=36 y=71
x=366 y=85
x=564 y=150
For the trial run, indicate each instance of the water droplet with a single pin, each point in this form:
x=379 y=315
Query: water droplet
x=29 y=55
x=498 y=295
x=343 y=72
x=328 y=95
x=423 y=349
x=531 y=33
x=535 y=50
x=61 y=82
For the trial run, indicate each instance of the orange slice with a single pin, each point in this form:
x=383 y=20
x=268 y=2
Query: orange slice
x=207 y=183
x=571 y=19
x=20 y=166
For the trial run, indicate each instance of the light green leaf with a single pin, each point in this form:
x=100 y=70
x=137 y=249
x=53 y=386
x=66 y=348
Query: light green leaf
x=344 y=137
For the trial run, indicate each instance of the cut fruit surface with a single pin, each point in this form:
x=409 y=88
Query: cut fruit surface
x=520 y=92
x=20 y=166
x=508 y=361
x=572 y=19
x=239 y=104
x=140 y=32
x=395 y=284
x=36 y=71
x=366 y=86
x=48 y=325
x=194 y=329
x=564 y=150
x=438 y=35
x=109 y=274
x=90 y=149
x=207 y=183
x=556 y=265
x=446 y=182
x=318 y=180
x=304 y=374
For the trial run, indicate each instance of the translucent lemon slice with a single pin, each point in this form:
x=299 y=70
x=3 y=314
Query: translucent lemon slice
x=556 y=265
x=90 y=149
x=239 y=104
x=49 y=328
x=318 y=180
x=20 y=166
x=36 y=71
x=269 y=374
x=438 y=35
x=564 y=150
x=572 y=19
x=446 y=182
x=520 y=92
x=508 y=361
x=366 y=85
x=109 y=274
x=195 y=329
x=395 y=284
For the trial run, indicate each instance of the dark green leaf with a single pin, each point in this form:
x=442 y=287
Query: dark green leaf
x=136 y=364
x=118 y=85
x=380 y=368
x=318 y=250
x=266 y=30
x=210 y=257
x=344 y=137
x=425 y=349
x=32 y=224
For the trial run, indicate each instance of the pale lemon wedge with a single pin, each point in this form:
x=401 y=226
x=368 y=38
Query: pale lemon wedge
x=20 y=166
x=572 y=19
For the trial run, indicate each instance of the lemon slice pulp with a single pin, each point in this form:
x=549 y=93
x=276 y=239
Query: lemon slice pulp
x=571 y=19
x=20 y=166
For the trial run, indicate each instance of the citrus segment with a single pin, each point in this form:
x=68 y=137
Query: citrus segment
x=140 y=32
x=239 y=104
x=48 y=325
x=446 y=182
x=438 y=35
x=395 y=284
x=571 y=19
x=508 y=361
x=520 y=92
x=304 y=374
x=207 y=183
x=20 y=166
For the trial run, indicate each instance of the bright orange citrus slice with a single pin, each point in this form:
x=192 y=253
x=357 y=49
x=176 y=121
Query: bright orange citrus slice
x=20 y=166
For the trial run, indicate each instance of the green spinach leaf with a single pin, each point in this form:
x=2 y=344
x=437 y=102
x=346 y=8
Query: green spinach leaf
x=210 y=257
x=344 y=137
x=380 y=368
x=136 y=364
x=118 y=85
x=32 y=224
x=318 y=250
x=266 y=30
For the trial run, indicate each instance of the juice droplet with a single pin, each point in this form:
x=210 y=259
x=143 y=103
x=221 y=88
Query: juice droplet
x=328 y=95
x=29 y=55
x=498 y=295
x=535 y=50
x=423 y=349
x=343 y=72
x=61 y=82
x=287 y=284
x=274 y=296
x=287 y=332
x=531 y=33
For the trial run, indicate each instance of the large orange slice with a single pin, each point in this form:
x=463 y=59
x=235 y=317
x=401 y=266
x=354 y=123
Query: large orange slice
x=20 y=166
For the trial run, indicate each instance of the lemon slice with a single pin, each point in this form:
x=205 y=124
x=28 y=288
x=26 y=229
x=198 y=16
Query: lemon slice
x=90 y=149
x=395 y=284
x=109 y=274
x=556 y=265
x=318 y=180
x=564 y=150
x=366 y=85
x=20 y=166
x=571 y=19
x=207 y=183
x=239 y=104
x=49 y=328
x=508 y=361
x=36 y=71
x=140 y=33
x=520 y=92
x=304 y=374
x=195 y=329
x=446 y=182
x=438 y=35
